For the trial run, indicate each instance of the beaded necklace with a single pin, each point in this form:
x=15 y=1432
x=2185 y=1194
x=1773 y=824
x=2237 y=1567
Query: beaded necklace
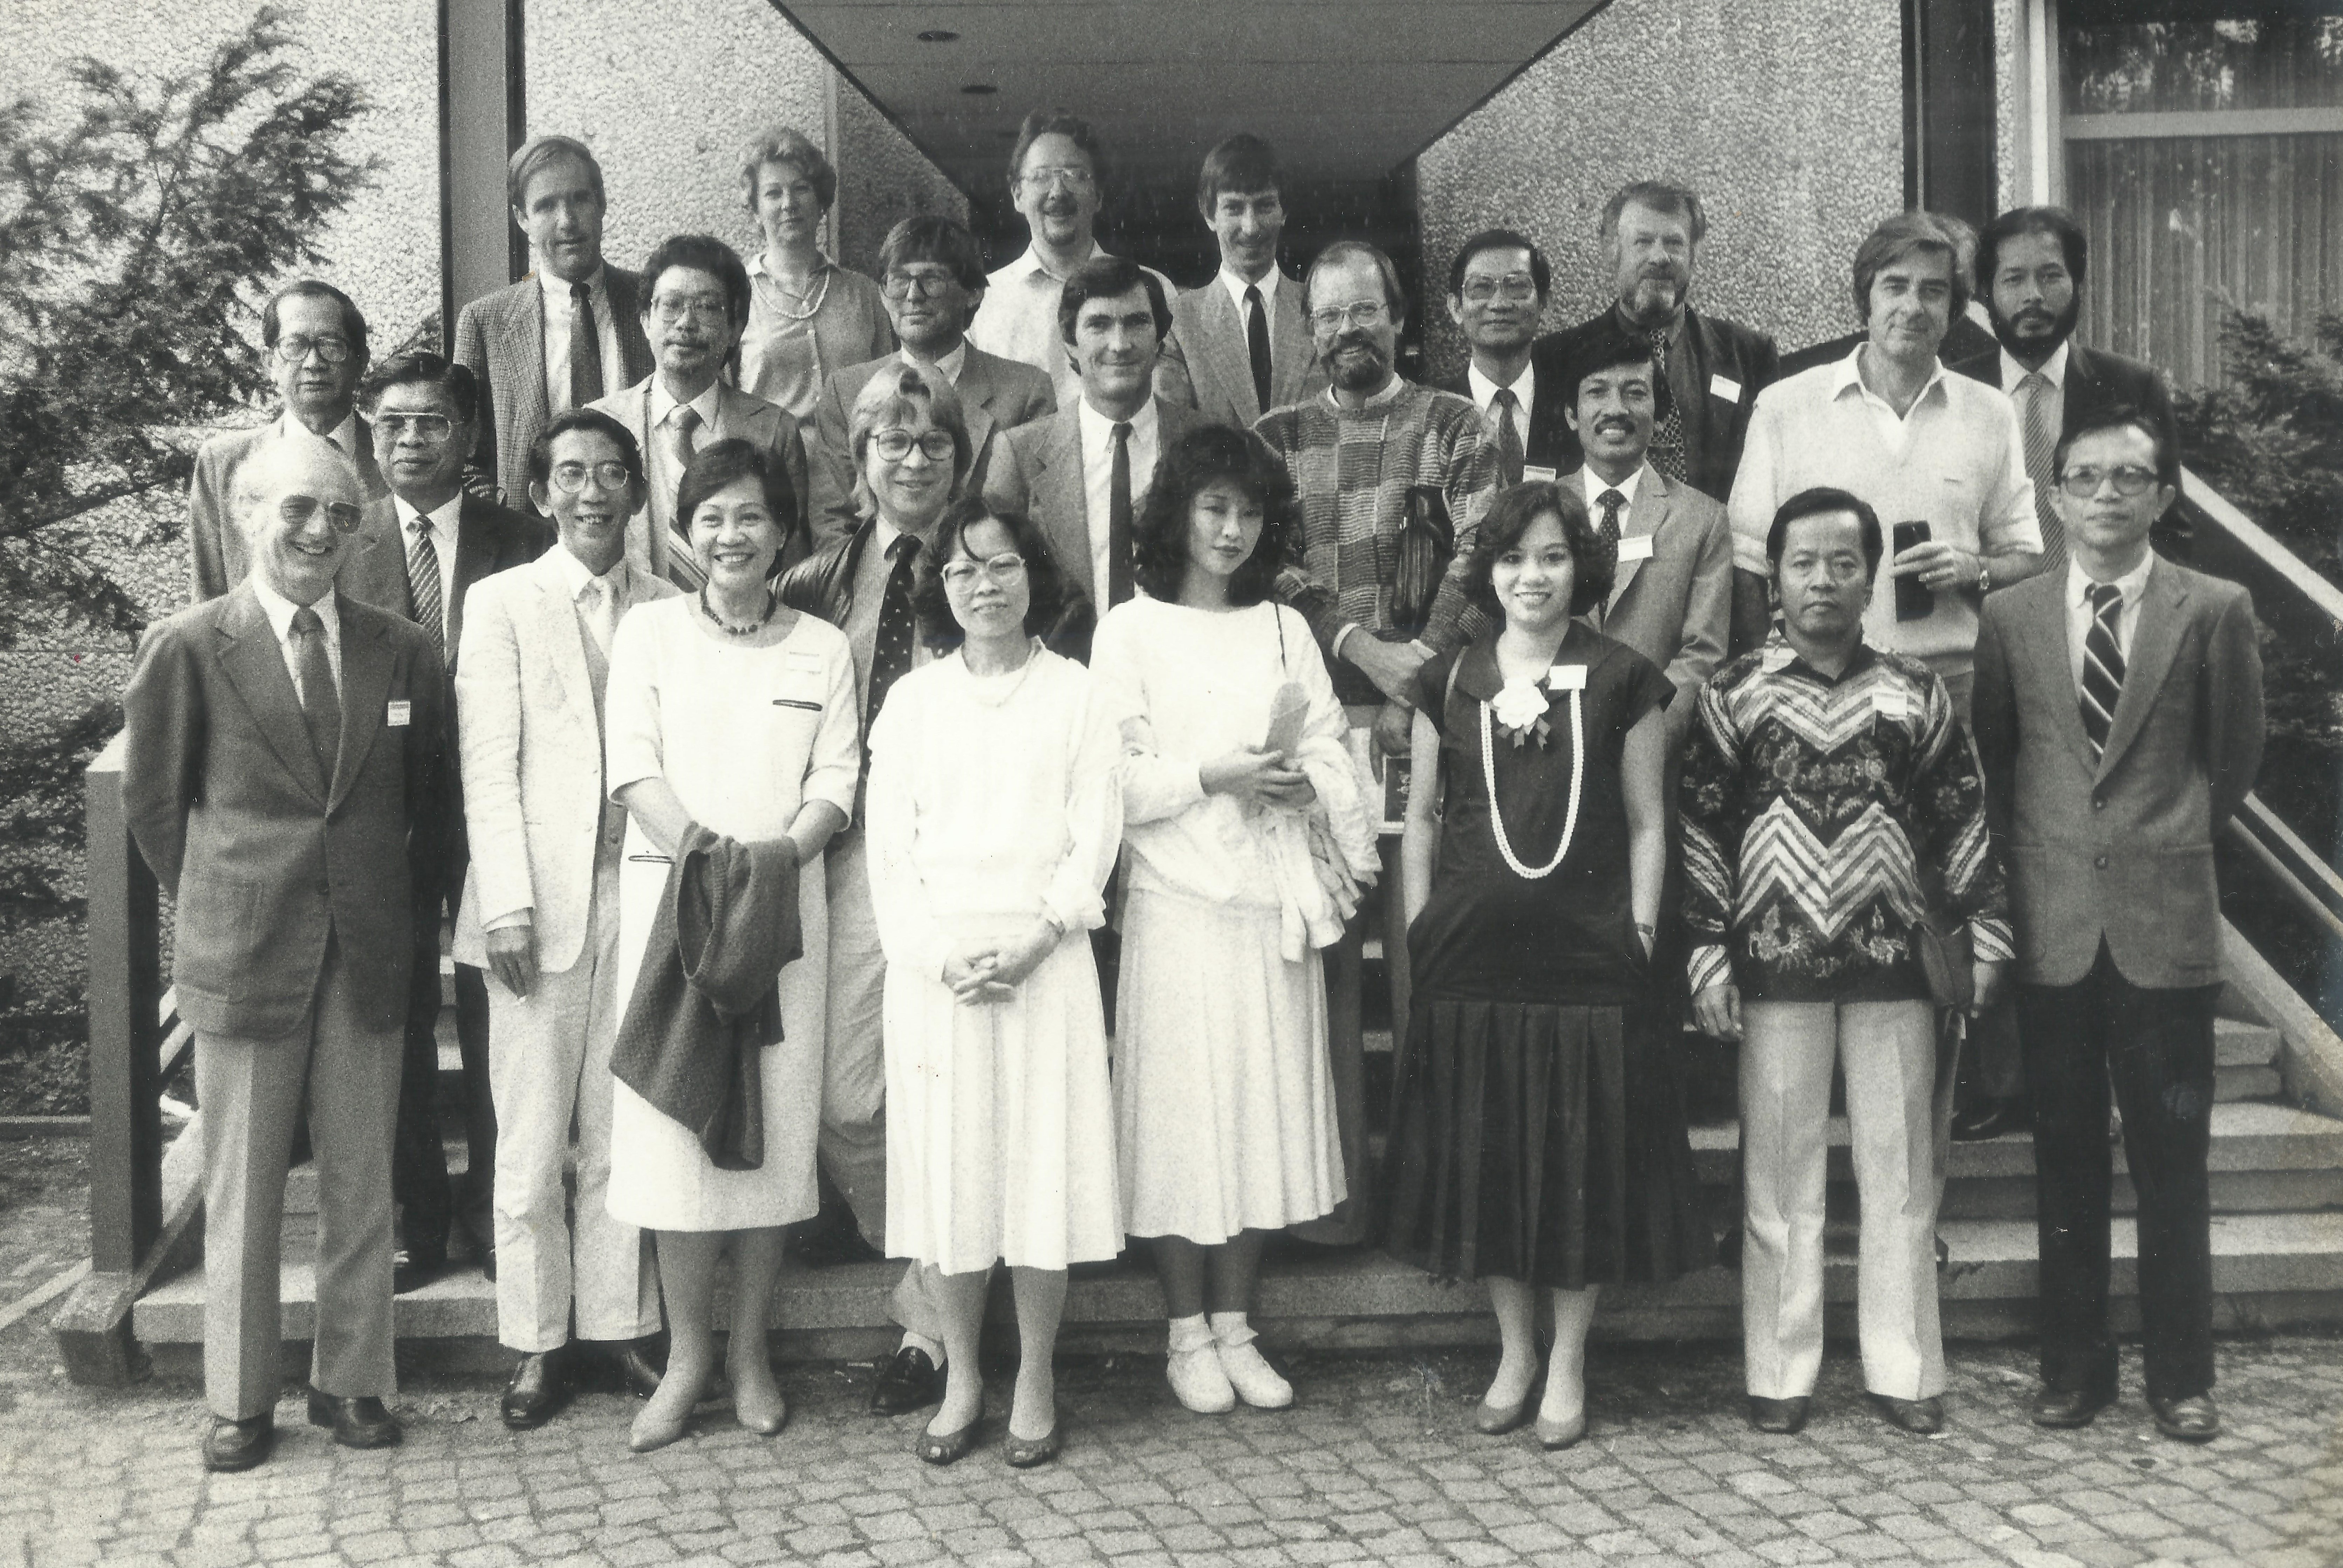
x=726 y=628
x=1577 y=778
x=781 y=295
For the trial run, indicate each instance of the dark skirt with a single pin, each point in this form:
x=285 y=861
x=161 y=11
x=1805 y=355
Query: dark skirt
x=1543 y=1143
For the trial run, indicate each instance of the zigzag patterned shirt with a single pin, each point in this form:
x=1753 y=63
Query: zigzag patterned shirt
x=1814 y=813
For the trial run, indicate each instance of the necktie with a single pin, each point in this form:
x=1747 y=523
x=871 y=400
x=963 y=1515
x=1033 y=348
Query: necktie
x=1610 y=501
x=321 y=704
x=1510 y=455
x=1117 y=519
x=2041 y=440
x=2103 y=665
x=601 y=618
x=423 y=586
x=681 y=426
x=1257 y=344
x=1667 y=452
x=891 y=652
x=585 y=349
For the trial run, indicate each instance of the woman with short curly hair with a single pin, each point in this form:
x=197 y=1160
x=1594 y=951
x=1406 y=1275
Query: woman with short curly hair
x=809 y=316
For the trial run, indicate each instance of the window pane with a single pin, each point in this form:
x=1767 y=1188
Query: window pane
x=2294 y=62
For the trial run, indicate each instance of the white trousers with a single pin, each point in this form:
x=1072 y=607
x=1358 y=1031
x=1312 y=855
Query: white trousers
x=1899 y=1108
x=549 y=1063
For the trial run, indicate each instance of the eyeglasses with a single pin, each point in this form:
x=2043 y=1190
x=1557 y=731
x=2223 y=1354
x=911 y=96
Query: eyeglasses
x=428 y=426
x=1074 y=178
x=1002 y=569
x=296 y=510
x=1513 y=285
x=571 y=477
x=1365 y=313
x=294 y=349
x=935 y=446
x=671 y=308
x=2084 y=483
x=925 y=285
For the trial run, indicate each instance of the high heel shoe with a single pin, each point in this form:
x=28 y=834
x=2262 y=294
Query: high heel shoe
x=1496 y=1420
x=949 y=1447
x=1556 y=1435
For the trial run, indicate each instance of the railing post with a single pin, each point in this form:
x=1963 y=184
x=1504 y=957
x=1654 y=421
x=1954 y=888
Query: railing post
x=125 y=1123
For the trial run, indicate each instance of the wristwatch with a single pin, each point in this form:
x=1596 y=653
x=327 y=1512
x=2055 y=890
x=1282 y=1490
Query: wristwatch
x=1985 y=576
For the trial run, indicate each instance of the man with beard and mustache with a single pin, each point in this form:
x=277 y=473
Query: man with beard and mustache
x=1497 y=288
x=1055 y=175
x=1711 y=369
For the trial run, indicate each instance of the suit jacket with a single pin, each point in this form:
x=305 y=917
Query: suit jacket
x=500 y=338
x=1675 y=606
x=490 y=538
x=263 y=854
x=996 y=394
x=216 y=561
x=1733 y=362
x=532 y=751
x=1048 y=487
x=1211 y=369
x=1551 y=444
x=2121 y=850
x=650 y=543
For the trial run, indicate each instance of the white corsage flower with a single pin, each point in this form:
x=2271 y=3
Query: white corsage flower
x=1519 y=707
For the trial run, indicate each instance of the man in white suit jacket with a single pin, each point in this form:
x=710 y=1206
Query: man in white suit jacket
x=1240 y=345
x=540 y=910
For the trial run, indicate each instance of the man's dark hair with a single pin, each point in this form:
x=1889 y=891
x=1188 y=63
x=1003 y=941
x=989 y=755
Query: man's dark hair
x=539 y=151
x=1607 y=344
x=1110 y=277
x=1595 y=560
x=2121 y=416
x=1059 y=122
x=721 y=465
x=2054 y=221
x=934 y=239
x=1500 y=239
x=1045 y=584
x=421 y=367
x=1208 y=454
x=1241 y=166
x=354 y=326
x=595 y=422
x=1660 y=195
x=701 y=253
x=1815 y=503
x=1343 y=250
x=1907 y=233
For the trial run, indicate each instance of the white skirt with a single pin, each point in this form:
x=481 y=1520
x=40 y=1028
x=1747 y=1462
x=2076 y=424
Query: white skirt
x=1224 y=1100
x=999 y=1122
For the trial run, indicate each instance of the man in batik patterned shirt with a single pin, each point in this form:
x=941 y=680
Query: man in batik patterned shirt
x=1827 y=784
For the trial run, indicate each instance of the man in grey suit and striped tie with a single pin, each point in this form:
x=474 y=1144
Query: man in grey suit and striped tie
x=1240 y=345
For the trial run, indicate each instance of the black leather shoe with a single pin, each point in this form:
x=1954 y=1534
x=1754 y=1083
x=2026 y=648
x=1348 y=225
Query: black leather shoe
x=1989 y=1119
x=233 y=1445
x=2070 y=1407
x=535 y=1391
x=906 y=1383
x=1920 y=1417
x=2192 y=1420
x=632 y=1366
x=1781 y=1417
x=413 y=1271
x=359 y=1422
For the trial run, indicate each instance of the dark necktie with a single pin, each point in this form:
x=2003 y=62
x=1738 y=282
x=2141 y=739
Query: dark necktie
x=423 y=586
x=1668 y=451
x=1510 y=455
x=1117 y=519
x=1608 y=524
x=2103 y=665
x=321 y=704
x=585 y=349
x=891 y=652
x=1257 y=344
x=2041 y=441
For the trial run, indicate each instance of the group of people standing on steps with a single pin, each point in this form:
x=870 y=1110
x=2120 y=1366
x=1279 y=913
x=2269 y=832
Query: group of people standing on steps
x=813 y=700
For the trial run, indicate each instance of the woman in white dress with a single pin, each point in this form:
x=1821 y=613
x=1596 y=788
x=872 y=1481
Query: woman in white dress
x=994 y=816
x=1248 y=838
x=728 y=710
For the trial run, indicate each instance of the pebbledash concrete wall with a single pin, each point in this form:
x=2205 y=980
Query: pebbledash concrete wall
x=1786 y=118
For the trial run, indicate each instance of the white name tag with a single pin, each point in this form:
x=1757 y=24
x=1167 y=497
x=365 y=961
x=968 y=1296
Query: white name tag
x=399 y=715
x=800 y=659
x=1536 y=473
x=1890 y=704
x=1725 y=387
x=1636 y=547
x=1566 y=678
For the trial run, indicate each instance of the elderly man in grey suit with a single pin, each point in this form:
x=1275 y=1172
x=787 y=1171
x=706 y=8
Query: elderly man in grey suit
x=2119 y=719
x=1242 y=341
x=282 y=749
x=932 y=277
x=317 y=343
x=563 y=337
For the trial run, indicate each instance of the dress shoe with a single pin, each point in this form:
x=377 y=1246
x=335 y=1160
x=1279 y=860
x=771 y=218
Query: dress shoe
x=1025 y=1452
x=1496 y=1420
x=2070 y=1407
x=359 y=1422
x=1781 y=1417
x=1920 y=1417
x=538 y=1389
x=1556 y=1435
x=1989 y=1119
x=413 y=1271
x=2192 y=1420
x=233 y=1445
x=906 y=1383
x=950 y=1446
x=626 y=1364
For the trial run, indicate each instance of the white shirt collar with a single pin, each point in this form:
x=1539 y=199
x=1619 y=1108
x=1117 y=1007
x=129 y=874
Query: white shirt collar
x=1098 y=431
x=663 y=403
x=574 y=575
x=444 y=516
x=1628 y=488
x=1848 y=374
x=1030 y=263
x=281 y=609
x=1236 y=286
x=344 y=434
x=2133 y=583
x=2054 y=369
x=558 y=292
x=1524 y=386
x=951 y=364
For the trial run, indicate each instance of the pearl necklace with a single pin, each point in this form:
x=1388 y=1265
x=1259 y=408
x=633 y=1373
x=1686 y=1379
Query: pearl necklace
x=1577 y=778
x=783 y=294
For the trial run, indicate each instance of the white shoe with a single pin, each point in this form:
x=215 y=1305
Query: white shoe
x=1255 y=1381
x=1198 y=1381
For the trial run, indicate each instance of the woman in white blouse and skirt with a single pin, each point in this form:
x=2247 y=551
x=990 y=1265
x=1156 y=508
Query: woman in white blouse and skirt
x=994 y=815
x=1248 y=839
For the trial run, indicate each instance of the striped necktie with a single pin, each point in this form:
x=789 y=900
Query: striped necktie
x=423 y=585
x=2041 y=441
x=2102 y=666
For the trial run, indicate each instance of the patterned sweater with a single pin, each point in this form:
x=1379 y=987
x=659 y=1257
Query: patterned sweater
x=1353 y=468
x=1814 y=813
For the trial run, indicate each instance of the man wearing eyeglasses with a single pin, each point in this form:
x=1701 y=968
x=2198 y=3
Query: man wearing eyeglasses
x=316 y=344
x=2119 y=720
x=283 y=752
x=1497 y=288
x=932 y=277
x=1055 y=172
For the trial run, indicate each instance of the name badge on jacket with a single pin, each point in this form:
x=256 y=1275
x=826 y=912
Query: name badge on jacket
x=399 y=715
x=1725 y=387
x=1636 y=547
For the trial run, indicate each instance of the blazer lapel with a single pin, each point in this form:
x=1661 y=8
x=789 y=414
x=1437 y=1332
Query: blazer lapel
x=366 y=692
x=524 y=349
x=2043 y=628
x=1058 y=500
x=561 y=635
x=1227 y=349
x=1292 y=353
x=977 y=385
x=2152 y=648
x=1651 y=506
x=634 y=348
x=254 y=662
x=475 y=558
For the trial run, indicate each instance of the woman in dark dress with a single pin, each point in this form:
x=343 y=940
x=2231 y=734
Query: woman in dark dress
x=1538 y=1140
